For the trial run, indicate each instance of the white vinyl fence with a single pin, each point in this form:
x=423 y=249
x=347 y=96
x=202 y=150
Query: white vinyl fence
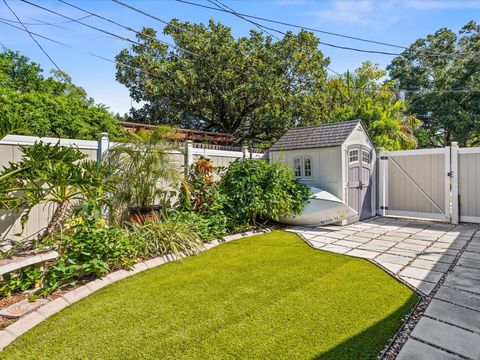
x=10 y=151
x=439 y=184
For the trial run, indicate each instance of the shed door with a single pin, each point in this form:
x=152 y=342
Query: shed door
x=359 y=184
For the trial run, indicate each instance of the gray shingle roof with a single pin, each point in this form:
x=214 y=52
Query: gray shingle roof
x=316 y=136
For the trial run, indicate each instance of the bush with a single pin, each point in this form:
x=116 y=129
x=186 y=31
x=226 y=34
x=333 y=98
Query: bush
x=209 y=226
x=88 y=247
x=257 y=190
x=159 y=237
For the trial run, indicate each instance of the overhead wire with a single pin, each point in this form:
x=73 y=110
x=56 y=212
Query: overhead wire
x=335 y=34
x=36 y=34
x=137 y=68
x=126 y=27
x=31 y=35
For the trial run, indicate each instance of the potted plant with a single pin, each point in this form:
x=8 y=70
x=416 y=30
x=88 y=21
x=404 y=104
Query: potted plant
x=146 y=170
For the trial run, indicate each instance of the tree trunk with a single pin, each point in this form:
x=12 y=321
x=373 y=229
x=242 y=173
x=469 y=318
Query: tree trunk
x=55 y=220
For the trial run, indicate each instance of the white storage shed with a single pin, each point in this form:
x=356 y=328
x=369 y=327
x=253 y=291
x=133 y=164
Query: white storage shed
x=337 y=157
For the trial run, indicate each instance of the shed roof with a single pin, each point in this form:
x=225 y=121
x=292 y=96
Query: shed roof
x=325 y=135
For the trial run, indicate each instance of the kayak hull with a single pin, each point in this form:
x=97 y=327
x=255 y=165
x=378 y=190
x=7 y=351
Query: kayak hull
x=323 y=208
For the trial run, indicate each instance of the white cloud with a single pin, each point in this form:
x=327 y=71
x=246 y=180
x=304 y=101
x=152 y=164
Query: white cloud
x=362 y=12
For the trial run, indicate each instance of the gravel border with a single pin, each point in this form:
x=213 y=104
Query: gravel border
x=22 y=325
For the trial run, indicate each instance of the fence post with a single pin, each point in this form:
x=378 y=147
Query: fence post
x=383 y=182
x=244 y=151
x=455 y=217
x=188 y=160
x=103 y=145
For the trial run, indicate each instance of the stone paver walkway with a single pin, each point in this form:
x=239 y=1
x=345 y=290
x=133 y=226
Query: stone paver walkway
x=421 y=254
x=450 y=326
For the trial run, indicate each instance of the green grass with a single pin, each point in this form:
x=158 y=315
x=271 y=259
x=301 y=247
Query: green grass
x=264 y=297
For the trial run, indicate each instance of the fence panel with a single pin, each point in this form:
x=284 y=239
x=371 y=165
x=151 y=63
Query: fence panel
x=469 y=184
x=415 y=183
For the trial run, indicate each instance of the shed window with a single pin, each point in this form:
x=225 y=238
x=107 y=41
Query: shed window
x=352 y=156
x=366 y=156
x=307 y=167
x=297 y=167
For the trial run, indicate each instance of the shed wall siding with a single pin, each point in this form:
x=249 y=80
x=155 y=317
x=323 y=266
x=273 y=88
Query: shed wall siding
x=327 y=167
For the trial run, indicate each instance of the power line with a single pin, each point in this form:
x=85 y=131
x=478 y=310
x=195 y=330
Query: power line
x=333 y=34
x=30 y=34
x=220 y=5
x=261 y=27
x=158 y=19
x=126 y=27
x=38 y=35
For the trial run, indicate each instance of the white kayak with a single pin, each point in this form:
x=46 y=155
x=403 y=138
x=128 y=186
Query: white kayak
x=323 y=208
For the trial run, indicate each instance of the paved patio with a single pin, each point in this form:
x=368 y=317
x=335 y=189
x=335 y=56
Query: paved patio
x=421 y=254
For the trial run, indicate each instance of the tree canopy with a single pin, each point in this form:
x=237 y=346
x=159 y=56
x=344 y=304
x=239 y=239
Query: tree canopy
x=441 y=75
x=31 y=104
x=251 y=87
x=364 y=95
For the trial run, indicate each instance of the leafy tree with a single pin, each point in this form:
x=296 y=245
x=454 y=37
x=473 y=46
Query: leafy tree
x=50 y=106
x=362 y=95
x=250 y=86
x=433 y=81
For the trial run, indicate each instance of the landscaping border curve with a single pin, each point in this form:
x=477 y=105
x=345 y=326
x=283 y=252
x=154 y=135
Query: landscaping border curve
x=22 y=325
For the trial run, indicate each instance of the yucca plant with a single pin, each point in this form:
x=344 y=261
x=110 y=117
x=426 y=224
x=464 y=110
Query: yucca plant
x=159 y=236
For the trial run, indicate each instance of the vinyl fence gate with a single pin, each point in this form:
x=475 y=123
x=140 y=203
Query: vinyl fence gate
x=438 y=184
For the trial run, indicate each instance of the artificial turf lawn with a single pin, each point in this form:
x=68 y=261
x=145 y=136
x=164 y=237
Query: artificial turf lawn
x=265 y=297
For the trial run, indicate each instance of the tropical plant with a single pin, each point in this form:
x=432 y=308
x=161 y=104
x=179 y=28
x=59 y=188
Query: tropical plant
x=256 y=190
x=443 y=91
x=144 y=168
x=252 y=87
x=162 y=236
x=362 y=95
x=88 y=247
x=53 y=174
x=24 y=279
x=201 y=202
x=11 y=126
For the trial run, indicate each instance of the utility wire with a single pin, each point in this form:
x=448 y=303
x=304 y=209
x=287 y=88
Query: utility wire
x=126 y=27
x=30 y=34
x=37 y=35
x=82 y=23
x=333 y=34
x=29 y=23
x=220 y=5
x=158 y=19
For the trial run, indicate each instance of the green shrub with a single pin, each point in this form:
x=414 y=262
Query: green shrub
x=159 y=237
x=256 y=190
x=209 y=226
x=22 y=280
x=88 y=247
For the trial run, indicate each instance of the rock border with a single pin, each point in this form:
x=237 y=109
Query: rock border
x=22 y=325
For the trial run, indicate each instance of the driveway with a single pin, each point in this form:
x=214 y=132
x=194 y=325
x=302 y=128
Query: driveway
x=440 y=261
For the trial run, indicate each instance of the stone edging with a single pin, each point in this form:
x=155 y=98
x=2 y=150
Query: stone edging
x=22 y=325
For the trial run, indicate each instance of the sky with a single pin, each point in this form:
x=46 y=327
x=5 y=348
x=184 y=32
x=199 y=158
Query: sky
x=392 y=21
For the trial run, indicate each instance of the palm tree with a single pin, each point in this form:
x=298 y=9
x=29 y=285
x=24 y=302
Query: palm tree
x=145 y=169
